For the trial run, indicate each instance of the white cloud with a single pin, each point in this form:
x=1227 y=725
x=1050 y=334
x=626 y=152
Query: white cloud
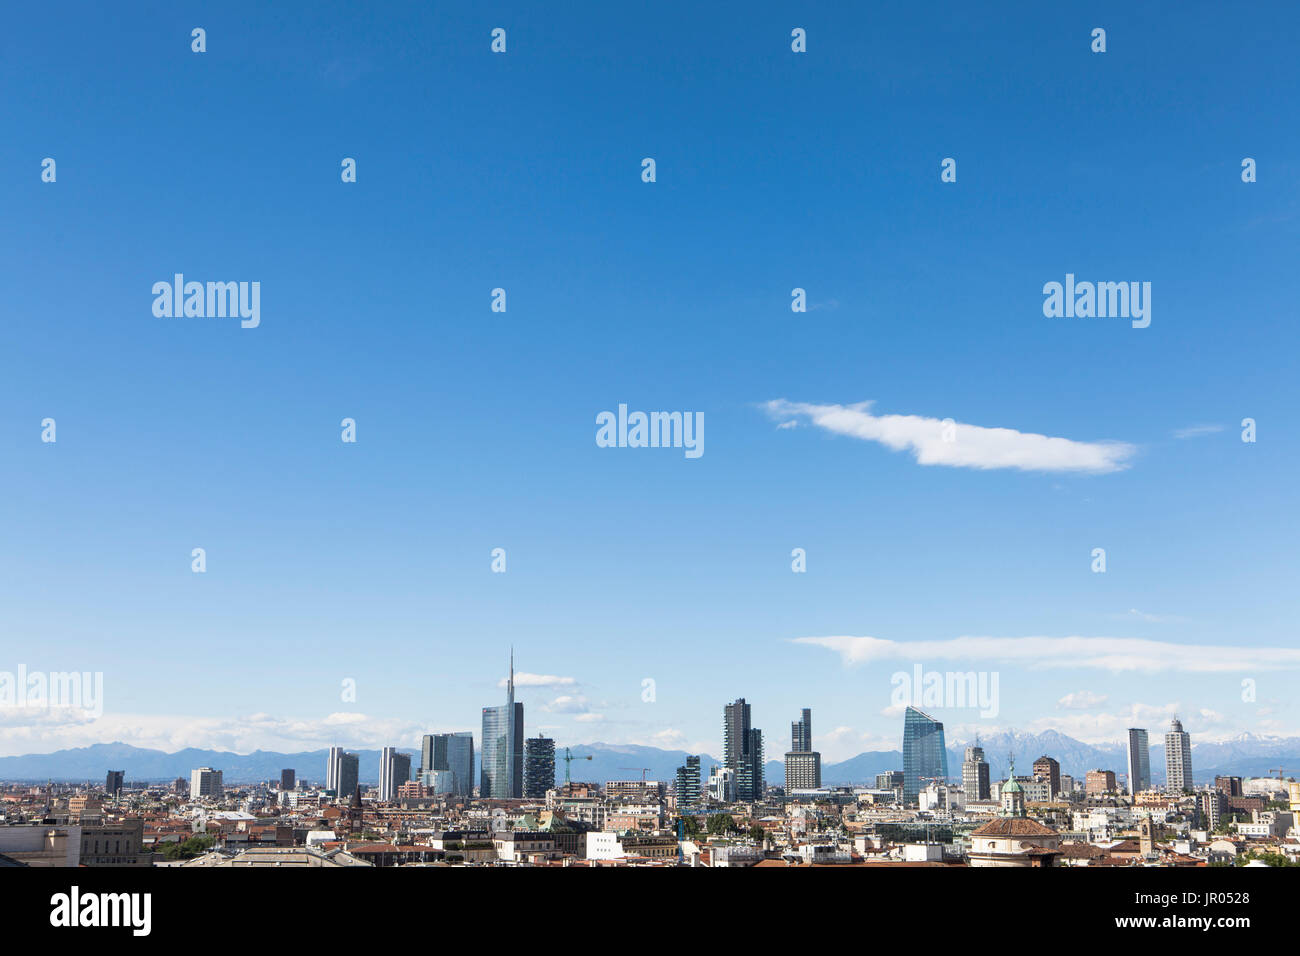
x=1107 y=729
x=1196 y=431
x=1081 y=700
x=589 y=718
x=539 y=680
x=1101 y=653
x=668 y=739
x=1153 y=618
x=972 y=446
x=566 y=704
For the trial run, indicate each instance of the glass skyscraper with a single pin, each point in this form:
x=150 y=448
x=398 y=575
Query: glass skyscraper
x=1139 y=761
x=502 y=776
x=924 y=753
x=449 y=754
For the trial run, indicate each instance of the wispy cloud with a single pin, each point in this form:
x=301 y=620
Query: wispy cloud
x=1100 y=653
x=567 y=704
x=934 y=441
x=1081 y=700
x=1196 y=431
x=539 y=680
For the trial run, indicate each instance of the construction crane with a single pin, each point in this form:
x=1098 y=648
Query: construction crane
x=644 y=771
x=1276 y=770
x=568 y=759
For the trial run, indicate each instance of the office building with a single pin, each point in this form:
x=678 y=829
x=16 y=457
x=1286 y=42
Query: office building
x=1178 y=758
x=288 y=779
x=502 y=772
x=801 y=733
x=925 y=756
x=205 y=783
x=453 y=754
x=893 y=779
x=394 y=770
x=539 y=767
x=803 y=765
x=341 y=771
x=803 y=771
x=113 y=782
x=1139 y=761
x=974 y=775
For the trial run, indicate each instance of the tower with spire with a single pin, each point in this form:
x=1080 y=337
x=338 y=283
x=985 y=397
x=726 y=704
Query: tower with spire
x=502 y=768
x=1013 y=795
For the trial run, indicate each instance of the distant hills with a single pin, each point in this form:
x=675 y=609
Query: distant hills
x=1247 y=755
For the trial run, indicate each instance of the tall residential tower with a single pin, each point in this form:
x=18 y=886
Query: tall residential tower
x=1178 y=758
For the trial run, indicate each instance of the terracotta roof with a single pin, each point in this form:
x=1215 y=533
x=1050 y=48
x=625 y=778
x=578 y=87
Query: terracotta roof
x=1081 y=851
x=1013 y=826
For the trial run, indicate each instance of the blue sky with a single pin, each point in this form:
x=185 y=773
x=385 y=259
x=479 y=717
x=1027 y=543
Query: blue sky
x=775 y=170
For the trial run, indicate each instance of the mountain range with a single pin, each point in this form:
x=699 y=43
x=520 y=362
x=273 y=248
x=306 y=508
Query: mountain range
x=1246 y=755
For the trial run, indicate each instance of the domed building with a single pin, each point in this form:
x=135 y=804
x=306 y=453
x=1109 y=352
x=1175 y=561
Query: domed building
x=1013 y=839
x=1013 y=797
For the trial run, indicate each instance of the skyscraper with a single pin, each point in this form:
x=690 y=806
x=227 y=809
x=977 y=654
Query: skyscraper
x=394 y=770
x=502 y=776
x=742 y=747
x=801 y=732
x=1178 y=758
x=113 y=782
x=341 y=772
x=539 y=767
x=803 y=765
x=288 y=779
x=449 y=753
x=1139 y=761
x=975 y=775
x=333 y=761
x=924 y=753
x=688 y=786
x=750 y=780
